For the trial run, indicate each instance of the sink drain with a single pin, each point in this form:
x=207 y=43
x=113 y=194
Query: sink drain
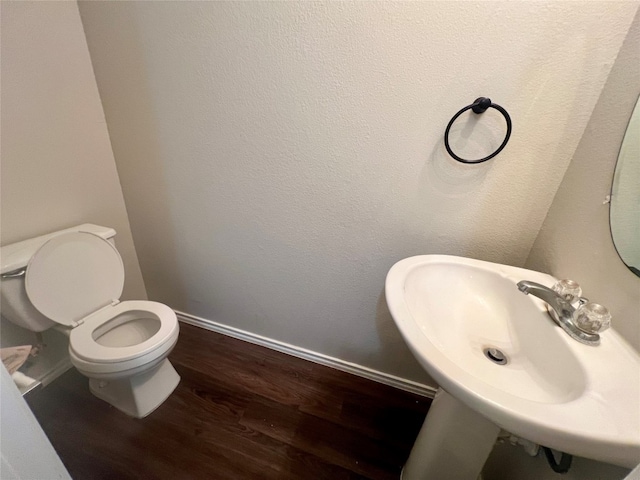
x=495 y=355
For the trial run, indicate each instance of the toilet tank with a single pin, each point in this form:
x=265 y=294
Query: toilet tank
x=16 y=306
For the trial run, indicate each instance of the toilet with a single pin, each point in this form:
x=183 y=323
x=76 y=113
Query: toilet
x=72 y=280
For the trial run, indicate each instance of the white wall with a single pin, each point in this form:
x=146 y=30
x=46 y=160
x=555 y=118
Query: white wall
x=57 y=164
x=575 y=240
x=278 y=158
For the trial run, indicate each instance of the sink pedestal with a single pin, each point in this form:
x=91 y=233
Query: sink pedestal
x=454 y=442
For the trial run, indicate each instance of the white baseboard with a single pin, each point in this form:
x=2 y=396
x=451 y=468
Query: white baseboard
x=355 y=369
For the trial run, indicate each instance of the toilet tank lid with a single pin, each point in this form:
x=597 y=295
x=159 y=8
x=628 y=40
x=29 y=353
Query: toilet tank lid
x=17 y=255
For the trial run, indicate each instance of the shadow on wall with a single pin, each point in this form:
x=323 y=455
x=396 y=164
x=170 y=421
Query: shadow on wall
x=457 y=190
x=447 y=178
x=142 y=170
x=393 y=349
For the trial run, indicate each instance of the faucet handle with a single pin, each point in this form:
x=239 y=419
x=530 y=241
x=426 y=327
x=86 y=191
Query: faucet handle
x=592 y=318
x=568 y=289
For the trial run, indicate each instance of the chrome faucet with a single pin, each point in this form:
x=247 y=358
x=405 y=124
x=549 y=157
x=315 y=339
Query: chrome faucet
x=560 y=310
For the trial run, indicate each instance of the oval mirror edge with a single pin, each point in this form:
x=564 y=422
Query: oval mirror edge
x=620 y=215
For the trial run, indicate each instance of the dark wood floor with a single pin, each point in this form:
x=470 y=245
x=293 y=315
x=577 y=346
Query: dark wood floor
x=240 y=412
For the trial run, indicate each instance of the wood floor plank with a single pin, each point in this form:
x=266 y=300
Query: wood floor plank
x=263 y=448
x=332 y=442
x=280 y=377
x=241 y=411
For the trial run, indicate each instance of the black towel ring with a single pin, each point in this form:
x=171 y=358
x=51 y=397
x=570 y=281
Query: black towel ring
x=480 y=105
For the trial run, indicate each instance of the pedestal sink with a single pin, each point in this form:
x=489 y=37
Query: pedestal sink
x=501 y=362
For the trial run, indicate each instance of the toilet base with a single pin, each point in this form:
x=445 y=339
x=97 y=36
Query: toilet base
x=139 y=395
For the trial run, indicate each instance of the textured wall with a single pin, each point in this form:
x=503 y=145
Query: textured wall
x=575 y=240
x=278 y=158
x=509 y=462
x=57 y=164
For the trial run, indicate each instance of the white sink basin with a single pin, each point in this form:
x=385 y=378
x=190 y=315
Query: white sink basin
x=553 y=390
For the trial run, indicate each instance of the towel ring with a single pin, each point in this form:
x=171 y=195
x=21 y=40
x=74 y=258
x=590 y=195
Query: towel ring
x=480 y=105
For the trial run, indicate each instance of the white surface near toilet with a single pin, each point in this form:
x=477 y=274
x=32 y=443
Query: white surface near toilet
x=75 y=278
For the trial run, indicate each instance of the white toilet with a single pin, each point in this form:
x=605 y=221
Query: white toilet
x=72 y=280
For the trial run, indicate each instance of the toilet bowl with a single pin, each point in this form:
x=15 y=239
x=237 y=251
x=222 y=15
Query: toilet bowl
x=123 y=337
x=123 y=351
x=75 y=279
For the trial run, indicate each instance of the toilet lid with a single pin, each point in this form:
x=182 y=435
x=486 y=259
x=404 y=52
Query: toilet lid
x=73 y=275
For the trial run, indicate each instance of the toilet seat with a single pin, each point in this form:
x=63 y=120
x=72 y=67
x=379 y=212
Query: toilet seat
x=84 y=346
x=75 y=279
x=94 y=359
